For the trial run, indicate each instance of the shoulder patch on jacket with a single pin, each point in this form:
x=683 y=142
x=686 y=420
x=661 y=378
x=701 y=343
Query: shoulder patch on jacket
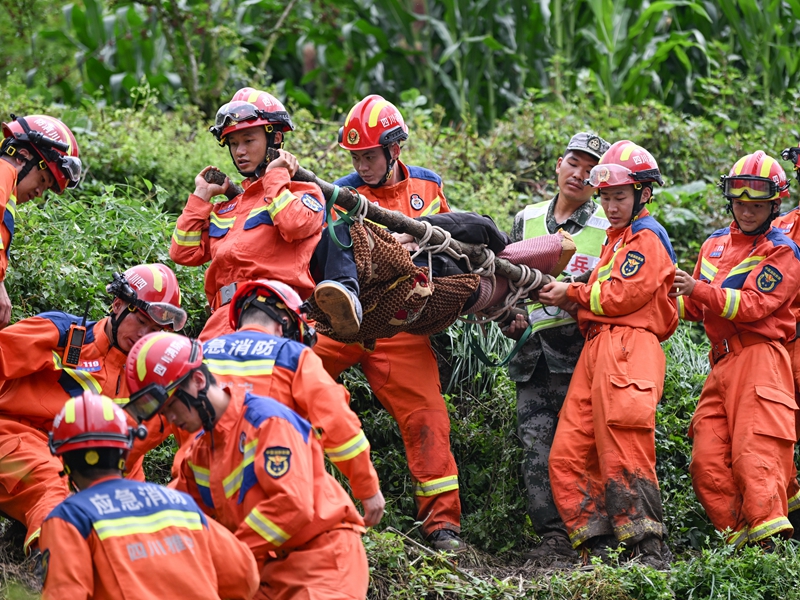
x=277 y=461
x=632 y=263
x=426 y=174
x=768 y=279
x=63 y=320
x=311 y=203
x=260 y=408
x=353 y=180
x=778 y=238
x=651 y=224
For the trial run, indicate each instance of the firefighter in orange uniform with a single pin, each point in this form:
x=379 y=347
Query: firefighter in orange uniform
x=602 y=463
x=268 y=231
x=269 y=355
x=259 y=470
x=742 y=289
x=117 y=538
x=402 y=371
x=36 y=383
x=38 y=153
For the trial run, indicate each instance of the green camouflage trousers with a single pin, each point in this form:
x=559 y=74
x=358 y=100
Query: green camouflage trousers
x=538 y=401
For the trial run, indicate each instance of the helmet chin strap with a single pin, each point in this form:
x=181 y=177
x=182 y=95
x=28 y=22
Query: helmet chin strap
x=637 y=199
x=201 y=403
x=764 y=227
x=116 y=320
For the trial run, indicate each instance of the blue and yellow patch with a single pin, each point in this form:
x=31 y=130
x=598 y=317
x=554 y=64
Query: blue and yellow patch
x=768 y=279
x=632 y=263
x=310 y=202
x=277 y=461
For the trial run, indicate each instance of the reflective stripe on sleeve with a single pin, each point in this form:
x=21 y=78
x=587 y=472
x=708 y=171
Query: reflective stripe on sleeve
x=348 y=450
x=266 y=528
x=186 y=238
x=707 y=270
x=233 y=482
x=732 y=299
x=84 y=379
x=280 y=202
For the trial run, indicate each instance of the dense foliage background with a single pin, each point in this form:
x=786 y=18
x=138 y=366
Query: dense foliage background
x=492 y=90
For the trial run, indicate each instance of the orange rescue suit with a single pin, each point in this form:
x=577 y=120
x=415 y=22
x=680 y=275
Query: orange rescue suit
x=268 y=232
x=254 y=361
x=8 y=212
x=403 y=373
x=602 y=463
x=265 y=480
x=744 y=425
x=120 y=540
x=35 y=387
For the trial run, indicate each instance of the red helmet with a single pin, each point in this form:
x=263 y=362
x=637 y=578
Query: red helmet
x=90 y=421
x=625 y=163
x=756 y=177
x=250 y=108
x=372 y=123
x=52 y=141
x=266 y=293
x=156 y=365
x=152 y=289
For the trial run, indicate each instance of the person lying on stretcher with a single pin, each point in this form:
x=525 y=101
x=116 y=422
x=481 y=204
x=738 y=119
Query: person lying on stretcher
x=370 y=285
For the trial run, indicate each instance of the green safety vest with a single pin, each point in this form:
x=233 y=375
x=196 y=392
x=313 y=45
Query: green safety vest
x=589 y=244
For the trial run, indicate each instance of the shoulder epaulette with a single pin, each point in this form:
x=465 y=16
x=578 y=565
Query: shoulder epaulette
x=426 y=174
x=63 y=320
x=260 y=408
x=778 y=238
x=353 y=180
x=651 y=224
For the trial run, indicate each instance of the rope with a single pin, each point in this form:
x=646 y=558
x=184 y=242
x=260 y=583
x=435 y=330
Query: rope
x=357 y=213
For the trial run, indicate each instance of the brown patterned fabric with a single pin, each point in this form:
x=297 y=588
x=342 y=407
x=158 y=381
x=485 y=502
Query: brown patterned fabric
x=396 y=295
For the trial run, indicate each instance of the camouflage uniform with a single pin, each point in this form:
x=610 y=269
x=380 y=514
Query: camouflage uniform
x=542 y=370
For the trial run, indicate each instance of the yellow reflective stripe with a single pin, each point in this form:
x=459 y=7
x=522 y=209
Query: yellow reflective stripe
x=234 y=367
x=732 y=299
x=266 y=528
x=141 y=358
x=433 y=208
x=202 y=476
x=766 y=166
x=376 y=112
x=148 y=524
x=768 y=528
x=253 y=96
x=233 y=482
x=746 y=265
x=31 y=538
x=108 y=409
x=257 y=211
x=69 y=411
x=594 y=299
x=737 y=168
x=707 y=270
x=121 y=401
x=437 y=486
x=738 y=538
x=279 y=203
x=187 y=238
x=222 y=222
x=12 y=206
x=349 y=115
x=681 y=307
x=348 y=450
x=626 y=151
x=84 y=379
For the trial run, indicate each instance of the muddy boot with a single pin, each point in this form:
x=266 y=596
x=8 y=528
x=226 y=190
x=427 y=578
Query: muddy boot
x=650 y=553
x=445 y=539
x=342 y=307
x=554 y=551
x=601 y=546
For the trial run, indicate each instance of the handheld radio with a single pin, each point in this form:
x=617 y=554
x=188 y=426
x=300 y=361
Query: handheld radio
x=77 y=334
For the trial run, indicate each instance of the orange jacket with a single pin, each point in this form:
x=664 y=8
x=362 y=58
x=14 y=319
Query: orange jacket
x=745 y=283
x=418 y=195
x=269 y=231
x=255 y=361
x=631 y=283
x=8 y=212
x=787 y=224
x=265 y=478
x=123 y=539
x=35 y=385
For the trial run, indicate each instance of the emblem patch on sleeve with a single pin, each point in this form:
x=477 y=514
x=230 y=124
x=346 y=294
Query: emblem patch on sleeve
x=768 y=279
x=416 y=202
x=311 y=202
x=633 y=262
x=277 y=461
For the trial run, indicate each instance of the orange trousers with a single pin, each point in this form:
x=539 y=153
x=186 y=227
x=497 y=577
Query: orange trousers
x=403 y=373
x=793 y=491
x=744 y=433
x=332 y=566
x=602 y=463
x=30 y=481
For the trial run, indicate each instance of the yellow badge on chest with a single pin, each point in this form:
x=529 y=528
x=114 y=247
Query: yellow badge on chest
x=768 y=279
x=633 y=262
x=277 y=461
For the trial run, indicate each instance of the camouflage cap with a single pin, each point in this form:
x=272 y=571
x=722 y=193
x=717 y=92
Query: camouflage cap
x=588 y=142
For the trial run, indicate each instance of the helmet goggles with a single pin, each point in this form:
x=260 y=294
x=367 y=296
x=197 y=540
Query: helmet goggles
x=239 y=111
x=162 y=313
x=752 y=187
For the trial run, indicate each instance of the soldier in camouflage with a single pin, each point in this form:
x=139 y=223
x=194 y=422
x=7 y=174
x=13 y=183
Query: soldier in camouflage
x=543 y=367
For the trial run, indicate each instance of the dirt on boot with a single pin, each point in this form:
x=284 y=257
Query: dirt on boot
x=554 y=551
